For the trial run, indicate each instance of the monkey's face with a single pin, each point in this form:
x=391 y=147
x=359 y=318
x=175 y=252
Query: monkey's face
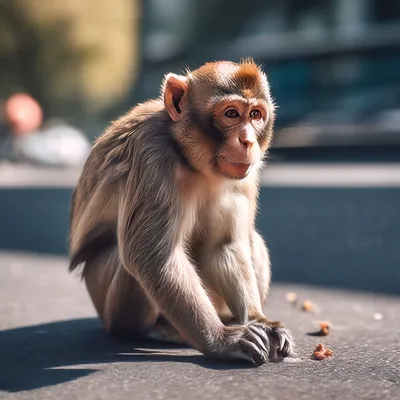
x=228 y=116
x=241 y=124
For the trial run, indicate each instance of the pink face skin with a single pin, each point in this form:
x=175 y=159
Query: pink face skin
x=242 y=119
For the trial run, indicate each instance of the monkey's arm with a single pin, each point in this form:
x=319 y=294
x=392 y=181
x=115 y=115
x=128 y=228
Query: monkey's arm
x=151 y=249
x=230 y=271
x=261 y=263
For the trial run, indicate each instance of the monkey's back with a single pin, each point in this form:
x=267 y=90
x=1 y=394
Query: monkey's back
x=124 y=151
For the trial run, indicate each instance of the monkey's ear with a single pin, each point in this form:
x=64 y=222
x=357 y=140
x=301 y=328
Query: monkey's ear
x=175 y=86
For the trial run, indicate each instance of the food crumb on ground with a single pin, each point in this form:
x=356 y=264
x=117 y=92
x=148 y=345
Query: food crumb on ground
x=291 y=297
x=378 y=317
x=325 y=328
x=321 y=352
x=308 y=306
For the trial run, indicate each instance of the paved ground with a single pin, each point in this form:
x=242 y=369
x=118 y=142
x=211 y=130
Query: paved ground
x=52 y=347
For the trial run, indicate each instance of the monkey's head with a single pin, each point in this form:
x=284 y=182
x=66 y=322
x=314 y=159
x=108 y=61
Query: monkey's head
x=224 y=116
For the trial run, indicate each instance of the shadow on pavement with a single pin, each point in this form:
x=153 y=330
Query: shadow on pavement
x=43 y=355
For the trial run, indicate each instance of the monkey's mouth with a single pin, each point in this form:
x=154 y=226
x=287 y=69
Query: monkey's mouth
x=233 y=170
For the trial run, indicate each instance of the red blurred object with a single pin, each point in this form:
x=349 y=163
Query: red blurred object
x=23 y=113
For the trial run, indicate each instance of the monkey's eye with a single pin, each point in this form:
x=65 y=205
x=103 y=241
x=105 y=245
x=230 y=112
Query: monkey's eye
x=231 y=113
x=255 y=114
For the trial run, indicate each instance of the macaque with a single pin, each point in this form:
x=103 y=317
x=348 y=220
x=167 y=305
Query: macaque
x=163 y=217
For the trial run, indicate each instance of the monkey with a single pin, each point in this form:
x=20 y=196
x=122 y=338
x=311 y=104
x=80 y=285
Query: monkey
x=163 y=216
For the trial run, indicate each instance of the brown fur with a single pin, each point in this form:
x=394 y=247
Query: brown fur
x=164 y=227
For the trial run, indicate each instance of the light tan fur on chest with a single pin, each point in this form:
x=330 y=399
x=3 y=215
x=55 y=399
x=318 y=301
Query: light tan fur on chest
x=215 y=214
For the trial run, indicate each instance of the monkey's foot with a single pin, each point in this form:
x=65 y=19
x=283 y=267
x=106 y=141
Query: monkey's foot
x=262 y=340
x=281 y=344
x=163 y=331
x=244 y=342
x=257 y=342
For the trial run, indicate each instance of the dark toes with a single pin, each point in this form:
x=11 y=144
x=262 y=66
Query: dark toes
x=281 y=342
x=285 y=351
x=256 y=355
x=260 y=335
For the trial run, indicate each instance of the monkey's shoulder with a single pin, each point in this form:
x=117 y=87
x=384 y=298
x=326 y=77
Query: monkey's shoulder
x=140 y=143
x=151 y=112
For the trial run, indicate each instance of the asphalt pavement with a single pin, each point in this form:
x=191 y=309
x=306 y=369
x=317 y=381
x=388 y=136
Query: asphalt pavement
x=53 y=347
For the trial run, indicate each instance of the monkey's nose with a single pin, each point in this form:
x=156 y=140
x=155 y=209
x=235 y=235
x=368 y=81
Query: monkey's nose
x=246 y=142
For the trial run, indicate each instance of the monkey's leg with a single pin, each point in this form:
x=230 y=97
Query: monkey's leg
x=262 y=268
x=165 y=332
x=261 y=263
x=118 y=298
x=230 y=272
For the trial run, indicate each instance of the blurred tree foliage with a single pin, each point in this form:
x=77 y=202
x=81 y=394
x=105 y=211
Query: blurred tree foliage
x=77 y=57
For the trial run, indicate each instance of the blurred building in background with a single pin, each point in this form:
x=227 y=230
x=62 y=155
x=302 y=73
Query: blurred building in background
x=334 y=65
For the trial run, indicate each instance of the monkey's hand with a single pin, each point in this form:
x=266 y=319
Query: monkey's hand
x=281 y=341
x=257 y=342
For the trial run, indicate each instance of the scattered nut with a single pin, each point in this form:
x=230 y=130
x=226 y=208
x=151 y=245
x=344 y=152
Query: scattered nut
x=320 y=352
x=328 y=352
x=324 y=328
x=378 y=317
x=291 y=297
x=308 y=306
